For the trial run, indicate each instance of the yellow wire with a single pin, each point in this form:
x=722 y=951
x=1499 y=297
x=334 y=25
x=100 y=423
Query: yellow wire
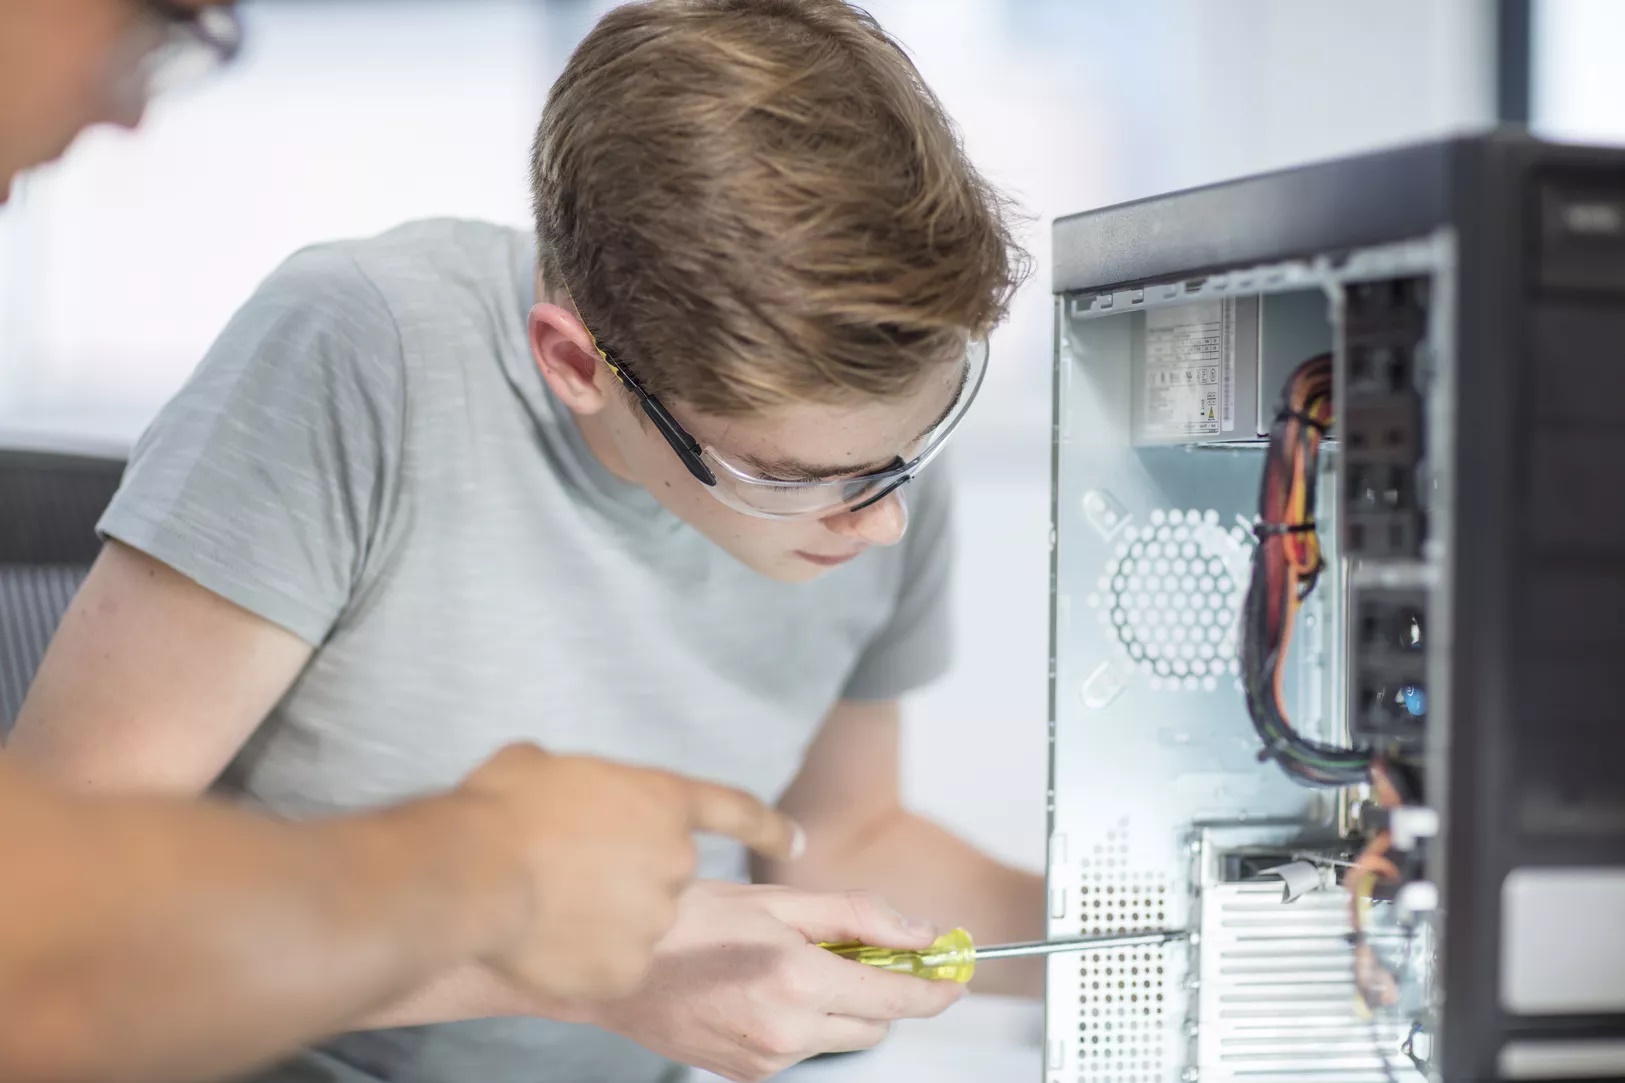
x=1361 y=891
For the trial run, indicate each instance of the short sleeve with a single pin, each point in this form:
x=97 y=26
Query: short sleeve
x=264 y=479
x=914 y=647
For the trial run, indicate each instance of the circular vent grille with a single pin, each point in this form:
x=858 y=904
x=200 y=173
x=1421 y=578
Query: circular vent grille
x=1171 y=601
x=1121 y=1021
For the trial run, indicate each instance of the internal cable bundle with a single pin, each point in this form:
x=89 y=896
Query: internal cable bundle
x=1286 y=564
x=1375 y=981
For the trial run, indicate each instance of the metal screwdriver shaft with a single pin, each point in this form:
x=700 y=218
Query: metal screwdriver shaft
x=1079 y=943
x=954 y=956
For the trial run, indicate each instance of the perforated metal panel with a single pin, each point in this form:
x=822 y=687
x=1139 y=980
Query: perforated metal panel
x=1122 y=995
x=1171 y=593
x=1151 y=734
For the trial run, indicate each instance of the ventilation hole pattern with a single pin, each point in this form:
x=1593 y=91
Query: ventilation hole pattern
x=1121 y=1007
x=1170 y=601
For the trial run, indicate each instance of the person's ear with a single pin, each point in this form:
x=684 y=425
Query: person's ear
x=570 y=364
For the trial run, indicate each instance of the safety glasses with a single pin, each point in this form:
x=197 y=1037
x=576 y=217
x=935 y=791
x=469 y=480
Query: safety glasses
x=772 y=498
x=181 y=44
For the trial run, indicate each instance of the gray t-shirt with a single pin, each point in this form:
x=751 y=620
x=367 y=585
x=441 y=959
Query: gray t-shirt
x=369 y=458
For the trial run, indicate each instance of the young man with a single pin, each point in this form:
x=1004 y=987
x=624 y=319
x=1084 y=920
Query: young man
x=154 y=939
x=632 y=486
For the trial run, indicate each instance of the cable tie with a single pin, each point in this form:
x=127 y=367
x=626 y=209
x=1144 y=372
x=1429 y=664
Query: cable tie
x=1263 y=530
x=1286 y=413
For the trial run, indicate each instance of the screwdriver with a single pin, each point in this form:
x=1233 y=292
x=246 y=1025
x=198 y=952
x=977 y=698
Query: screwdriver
x=953 y=956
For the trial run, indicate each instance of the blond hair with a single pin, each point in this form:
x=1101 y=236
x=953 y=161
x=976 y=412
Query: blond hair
x=757 y=202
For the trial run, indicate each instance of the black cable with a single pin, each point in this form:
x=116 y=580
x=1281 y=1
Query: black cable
x=1408 y=1047
x=1268 y=605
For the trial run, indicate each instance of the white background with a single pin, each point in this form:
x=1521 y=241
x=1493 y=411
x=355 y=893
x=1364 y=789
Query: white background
x=347 y=116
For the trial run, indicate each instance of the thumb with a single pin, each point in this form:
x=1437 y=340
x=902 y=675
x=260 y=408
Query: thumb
x=833 y=918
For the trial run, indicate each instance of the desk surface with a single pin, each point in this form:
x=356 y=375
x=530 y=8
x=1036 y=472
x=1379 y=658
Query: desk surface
x=980 y=1040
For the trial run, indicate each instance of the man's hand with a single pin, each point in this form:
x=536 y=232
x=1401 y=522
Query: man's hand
x=605 y=851
x=740 y=987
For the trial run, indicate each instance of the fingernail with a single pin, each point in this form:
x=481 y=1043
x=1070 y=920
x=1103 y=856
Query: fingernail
x=798 y=842
x=920 y=928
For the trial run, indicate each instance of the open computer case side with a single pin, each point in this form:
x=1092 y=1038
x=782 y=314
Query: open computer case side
x=1516 y=250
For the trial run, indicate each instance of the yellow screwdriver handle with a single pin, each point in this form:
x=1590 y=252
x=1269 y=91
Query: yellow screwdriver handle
x=952 y=957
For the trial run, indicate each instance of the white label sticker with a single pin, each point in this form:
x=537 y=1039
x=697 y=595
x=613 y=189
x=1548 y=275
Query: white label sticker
x=1190 y=371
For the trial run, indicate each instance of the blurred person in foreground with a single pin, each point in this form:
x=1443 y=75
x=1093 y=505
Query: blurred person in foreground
x=635 y=483
x=149 y=938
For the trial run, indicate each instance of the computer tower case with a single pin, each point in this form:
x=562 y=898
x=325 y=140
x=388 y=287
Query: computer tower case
x=1338 y=623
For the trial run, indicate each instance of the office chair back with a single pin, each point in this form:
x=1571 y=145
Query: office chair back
x=49 y=504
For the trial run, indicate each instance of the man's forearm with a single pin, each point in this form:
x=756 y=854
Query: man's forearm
x=467 y=991
x=926 y=871
x=130 y=928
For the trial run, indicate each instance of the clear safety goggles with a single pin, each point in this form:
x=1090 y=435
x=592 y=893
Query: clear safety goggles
x=175 y=45
x=771 y=498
